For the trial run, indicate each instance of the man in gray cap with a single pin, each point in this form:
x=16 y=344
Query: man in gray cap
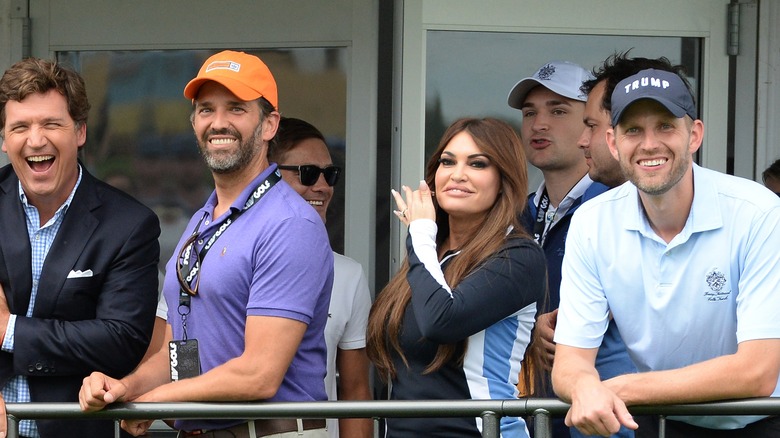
x=689 y=274
x=552 y=106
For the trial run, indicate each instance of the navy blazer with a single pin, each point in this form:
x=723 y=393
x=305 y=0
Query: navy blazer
x=98 y=323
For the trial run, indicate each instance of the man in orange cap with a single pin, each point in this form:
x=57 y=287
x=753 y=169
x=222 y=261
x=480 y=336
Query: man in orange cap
x=248 y=288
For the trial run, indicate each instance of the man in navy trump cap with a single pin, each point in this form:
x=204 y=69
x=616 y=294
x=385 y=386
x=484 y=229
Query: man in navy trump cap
x=664 y=87
x=689 y=274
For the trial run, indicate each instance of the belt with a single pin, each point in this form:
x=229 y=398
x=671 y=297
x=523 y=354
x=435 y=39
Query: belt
x=261 y=428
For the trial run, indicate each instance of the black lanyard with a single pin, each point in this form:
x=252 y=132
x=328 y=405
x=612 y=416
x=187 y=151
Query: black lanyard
x=541 y=221
x=254 y=198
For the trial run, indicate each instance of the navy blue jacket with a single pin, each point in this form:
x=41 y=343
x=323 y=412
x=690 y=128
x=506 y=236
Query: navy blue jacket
x=612 y=359
x=79 y=325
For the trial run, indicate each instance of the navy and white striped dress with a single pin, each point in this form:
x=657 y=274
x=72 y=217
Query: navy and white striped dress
x=494 y=308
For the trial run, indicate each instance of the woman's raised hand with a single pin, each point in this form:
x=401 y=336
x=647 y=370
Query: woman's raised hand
x=417 y=205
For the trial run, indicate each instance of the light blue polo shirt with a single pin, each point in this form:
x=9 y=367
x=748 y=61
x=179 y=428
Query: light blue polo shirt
x=713 y=286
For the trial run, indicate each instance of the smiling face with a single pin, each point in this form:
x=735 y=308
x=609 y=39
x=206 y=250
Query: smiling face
x=231 y=133
x=309 y=151
x=467 y=182
x=42 y=143
x=550 y=128
x=655 y=148
x=602 y=166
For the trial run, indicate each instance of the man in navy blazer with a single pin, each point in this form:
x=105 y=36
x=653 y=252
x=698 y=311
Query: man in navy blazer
x=78 y=258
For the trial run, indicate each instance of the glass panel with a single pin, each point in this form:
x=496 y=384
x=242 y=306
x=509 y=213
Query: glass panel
x=139 y=135
x=471 y=73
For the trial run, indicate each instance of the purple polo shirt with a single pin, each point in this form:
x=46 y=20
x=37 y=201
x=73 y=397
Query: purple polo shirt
x=274 y=260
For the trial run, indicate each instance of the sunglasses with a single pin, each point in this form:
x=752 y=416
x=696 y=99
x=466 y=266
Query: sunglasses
x=188 y=266
x=308 y=174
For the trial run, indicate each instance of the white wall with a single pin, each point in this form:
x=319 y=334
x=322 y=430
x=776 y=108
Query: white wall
x=5 y=34
x=8 y=30
x=767 y=110
x=768 y=87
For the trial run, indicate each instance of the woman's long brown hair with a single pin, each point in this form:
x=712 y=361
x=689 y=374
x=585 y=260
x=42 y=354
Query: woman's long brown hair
x=500 y=143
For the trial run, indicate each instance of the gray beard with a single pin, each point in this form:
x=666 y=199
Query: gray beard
x=224 y=162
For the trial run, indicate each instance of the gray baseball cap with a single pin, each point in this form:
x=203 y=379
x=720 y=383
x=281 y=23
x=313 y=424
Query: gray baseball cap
x=664 y=87
x=561 y=77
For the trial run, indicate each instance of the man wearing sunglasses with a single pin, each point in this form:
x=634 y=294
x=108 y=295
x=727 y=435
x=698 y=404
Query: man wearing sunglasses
x=249 y=286
x=306 y=165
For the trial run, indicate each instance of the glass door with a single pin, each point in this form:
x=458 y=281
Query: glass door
x=461 y=58
x=137 y=56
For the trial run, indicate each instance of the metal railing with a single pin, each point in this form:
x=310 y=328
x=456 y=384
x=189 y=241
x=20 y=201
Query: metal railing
x=489 y=410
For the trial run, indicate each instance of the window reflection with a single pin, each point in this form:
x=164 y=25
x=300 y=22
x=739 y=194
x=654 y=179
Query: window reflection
x=471 y=73
x=139 y=136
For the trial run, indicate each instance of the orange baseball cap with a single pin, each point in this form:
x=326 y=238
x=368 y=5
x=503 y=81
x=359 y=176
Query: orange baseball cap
x=244 y=75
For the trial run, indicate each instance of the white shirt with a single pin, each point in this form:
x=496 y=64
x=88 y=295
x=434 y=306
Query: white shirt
x=713 y=286
x=350 y=302
x=554 y=214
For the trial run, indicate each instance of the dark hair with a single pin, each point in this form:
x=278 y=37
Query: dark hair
x=619 y=66
x=35 y=75
x=265 y=108
x=773 y=171
x=501 y=144
x=291 y=132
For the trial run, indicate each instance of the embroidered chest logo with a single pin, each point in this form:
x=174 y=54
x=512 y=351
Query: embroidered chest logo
x=546 y=72
x=716 y=281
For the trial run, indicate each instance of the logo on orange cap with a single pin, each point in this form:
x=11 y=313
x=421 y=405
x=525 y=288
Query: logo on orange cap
x=242 y=74
x=229 y=65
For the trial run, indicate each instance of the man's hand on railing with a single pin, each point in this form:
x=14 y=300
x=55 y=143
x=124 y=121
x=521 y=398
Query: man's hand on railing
x=596 y=410
x=99 y=390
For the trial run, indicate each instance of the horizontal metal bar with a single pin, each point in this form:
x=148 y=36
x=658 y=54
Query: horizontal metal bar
x=369 y=409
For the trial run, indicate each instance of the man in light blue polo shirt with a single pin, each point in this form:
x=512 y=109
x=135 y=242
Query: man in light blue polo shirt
x=689 y=273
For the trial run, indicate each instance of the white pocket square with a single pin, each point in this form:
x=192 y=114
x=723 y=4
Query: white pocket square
x=80 y=274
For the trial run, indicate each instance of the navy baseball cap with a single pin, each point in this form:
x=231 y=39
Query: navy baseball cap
x=664 y=87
